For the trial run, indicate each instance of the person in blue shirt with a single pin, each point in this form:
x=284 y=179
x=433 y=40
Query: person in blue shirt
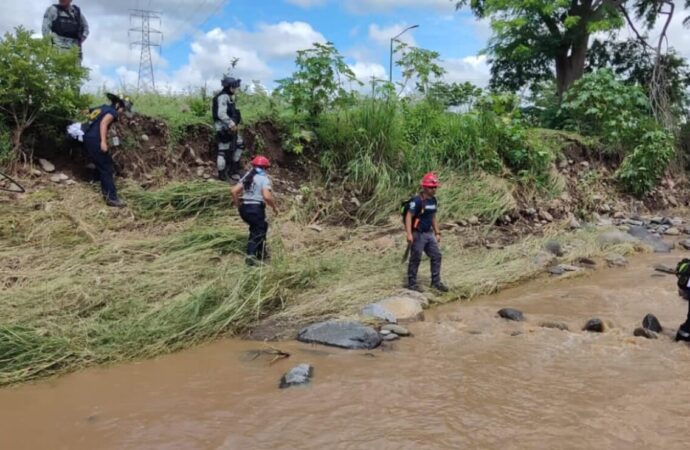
x=251 y=195
x=97 y=148
x=423 y=234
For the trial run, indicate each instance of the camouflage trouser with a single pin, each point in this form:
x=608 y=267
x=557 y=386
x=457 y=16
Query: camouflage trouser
x=424 y=242
x=229 y=151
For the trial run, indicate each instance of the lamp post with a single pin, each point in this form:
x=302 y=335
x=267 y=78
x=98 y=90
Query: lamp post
x=390 y=72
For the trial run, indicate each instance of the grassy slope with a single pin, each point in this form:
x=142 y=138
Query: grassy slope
x=81 y=284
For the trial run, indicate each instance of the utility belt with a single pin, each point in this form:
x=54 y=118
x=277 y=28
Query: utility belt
x=252 y=203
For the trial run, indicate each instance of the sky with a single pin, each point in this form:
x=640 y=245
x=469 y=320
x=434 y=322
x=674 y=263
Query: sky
x=201 y=37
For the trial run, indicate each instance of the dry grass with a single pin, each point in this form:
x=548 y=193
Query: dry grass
x=81 y=284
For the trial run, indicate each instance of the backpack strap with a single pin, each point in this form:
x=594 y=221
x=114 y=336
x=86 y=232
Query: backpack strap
x=416 y=218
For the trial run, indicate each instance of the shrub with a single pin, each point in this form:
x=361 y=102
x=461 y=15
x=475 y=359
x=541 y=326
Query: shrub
x=642 y=169
x=600 y=105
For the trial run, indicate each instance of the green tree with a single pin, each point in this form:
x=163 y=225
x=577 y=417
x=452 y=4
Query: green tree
x=531 y=36
x=631 y=61
x=455 y=95
x=319 y=82
x=36 y=81
x=421 y=64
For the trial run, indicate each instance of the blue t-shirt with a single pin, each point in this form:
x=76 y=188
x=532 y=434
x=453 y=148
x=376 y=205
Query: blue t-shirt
x=96 y=117
x=427 y=216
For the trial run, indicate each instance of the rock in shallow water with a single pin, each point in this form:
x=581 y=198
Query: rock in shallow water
x=665 y=268
x=594 y=325
x=378 y=312
x=343 y=334
x=296 y=376
x=397 y=329
x=645 y=333
x=659 y=245
x=650 y=322
x=511 y=314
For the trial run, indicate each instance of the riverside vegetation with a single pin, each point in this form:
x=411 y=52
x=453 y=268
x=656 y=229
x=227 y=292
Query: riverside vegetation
x=83 y=285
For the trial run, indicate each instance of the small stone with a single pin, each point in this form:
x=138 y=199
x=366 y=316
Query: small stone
x=657 y=220
x=619 y=215
x=586 y=261
x=544 y=215
x=543 y=259
x=474 y=220
x=673 y=231
x=36 y=172
x=463 y=223
x=144 y=138
x=391 y=337
x=677 y=221
x=70 y=182
x=316 y=228
x=397 y=329
x=199 y=171
x=685 y=244
x=511 y=314
x=634 y=223
x=594 y=325
x=531 y=212
x=46 y=165
x=555 y=326
x=584 y=164
x=385 y=332
x=616 y=260
x=650 y=322
x=645 y=333
x=199 y=162
x=664 y=268
x=298 y=375
x=56 y=179
x=554 y=247
x=574 y=224
x=556 y=270
x=206 y=176
x=605 y=208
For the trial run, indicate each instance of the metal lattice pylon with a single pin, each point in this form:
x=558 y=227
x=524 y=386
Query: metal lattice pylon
x=148 y=38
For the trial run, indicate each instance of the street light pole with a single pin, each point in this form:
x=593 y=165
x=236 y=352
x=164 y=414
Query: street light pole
x=390 y=69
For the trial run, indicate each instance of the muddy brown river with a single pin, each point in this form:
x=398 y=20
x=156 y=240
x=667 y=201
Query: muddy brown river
x=465 y=380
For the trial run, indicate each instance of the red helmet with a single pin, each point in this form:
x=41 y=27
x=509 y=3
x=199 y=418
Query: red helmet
x=261 y=161
x=430 y=180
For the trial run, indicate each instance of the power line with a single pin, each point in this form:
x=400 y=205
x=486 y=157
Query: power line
x=146 y=80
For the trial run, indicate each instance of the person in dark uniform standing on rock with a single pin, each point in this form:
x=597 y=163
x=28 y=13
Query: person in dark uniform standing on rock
x=251 y=195
x=226 y=119
x=96 y=144
x=423 y=234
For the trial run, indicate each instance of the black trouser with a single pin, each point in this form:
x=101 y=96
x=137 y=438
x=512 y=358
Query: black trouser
x=255 y=216
x=104 y=166
x=686 y=325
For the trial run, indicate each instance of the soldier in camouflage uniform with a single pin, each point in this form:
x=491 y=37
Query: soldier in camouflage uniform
x=65 y=25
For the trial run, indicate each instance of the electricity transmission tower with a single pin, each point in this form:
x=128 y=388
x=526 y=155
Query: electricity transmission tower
x=148 y=37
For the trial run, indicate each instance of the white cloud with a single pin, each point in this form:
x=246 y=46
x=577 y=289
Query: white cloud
x=365 y=70
x=474 y=69
x=383 y=35
x=368 y=6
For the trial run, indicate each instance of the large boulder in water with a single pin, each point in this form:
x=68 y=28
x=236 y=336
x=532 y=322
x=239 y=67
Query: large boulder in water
x=378 y=312
x=654 y=241
x=651 y=323
x=399 y=308
x=296 y=376
x=511 y=314
x=343 y=334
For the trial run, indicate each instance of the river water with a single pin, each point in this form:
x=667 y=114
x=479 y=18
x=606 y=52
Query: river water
x=465 y=380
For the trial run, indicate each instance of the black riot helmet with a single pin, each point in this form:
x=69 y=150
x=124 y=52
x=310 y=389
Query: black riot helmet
x=230 y=82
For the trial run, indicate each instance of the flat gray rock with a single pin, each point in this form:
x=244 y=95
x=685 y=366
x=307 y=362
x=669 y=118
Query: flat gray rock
x=511 y=314
x=297 y=376
x=654 y=241
x=343 y=334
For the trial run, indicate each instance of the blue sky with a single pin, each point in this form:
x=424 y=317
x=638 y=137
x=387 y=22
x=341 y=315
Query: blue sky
x=201 y=36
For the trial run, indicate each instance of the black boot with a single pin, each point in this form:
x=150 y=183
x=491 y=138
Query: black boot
x=683 y=334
